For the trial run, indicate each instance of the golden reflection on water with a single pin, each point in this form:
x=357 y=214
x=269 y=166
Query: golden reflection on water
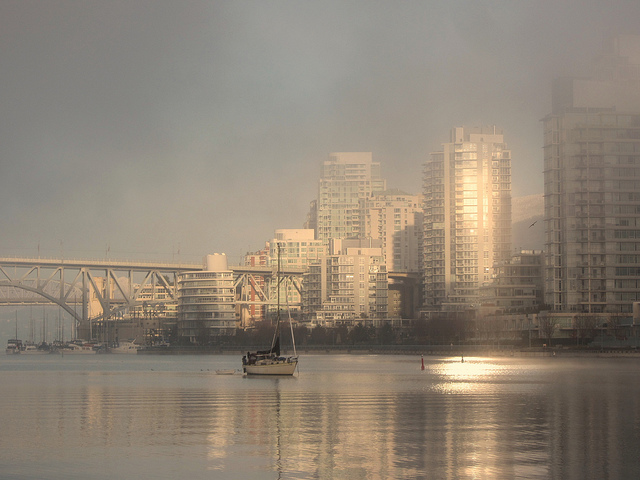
x=467 y=374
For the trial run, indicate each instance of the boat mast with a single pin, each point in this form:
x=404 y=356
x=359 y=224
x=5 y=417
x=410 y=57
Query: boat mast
x=276 y=334
x=293 y=338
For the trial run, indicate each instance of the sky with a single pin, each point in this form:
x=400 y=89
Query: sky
x=168 y=130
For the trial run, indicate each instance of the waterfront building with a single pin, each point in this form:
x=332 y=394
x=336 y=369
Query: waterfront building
x=467 y=217
x=348 y=286
x=346 y=179
x=395 y=218
x=156 y=318
x=592 y=185
x=152 y=321
x=298 y=249
x=518 y=286
x=206 y=301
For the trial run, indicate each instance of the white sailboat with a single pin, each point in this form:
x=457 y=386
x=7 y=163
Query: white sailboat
x=269 y=362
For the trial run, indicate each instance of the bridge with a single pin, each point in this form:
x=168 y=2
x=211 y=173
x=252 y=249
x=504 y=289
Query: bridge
x=112 y=286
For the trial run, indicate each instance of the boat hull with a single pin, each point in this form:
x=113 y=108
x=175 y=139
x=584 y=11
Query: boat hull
x=272 y=368
x=77 y=351
x=29 y=351
x=126 y=348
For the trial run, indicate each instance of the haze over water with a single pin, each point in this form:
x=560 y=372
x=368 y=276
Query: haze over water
x=343 y=416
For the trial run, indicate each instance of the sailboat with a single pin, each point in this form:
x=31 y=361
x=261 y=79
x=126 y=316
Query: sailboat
x=269 y=362
x=14 y=346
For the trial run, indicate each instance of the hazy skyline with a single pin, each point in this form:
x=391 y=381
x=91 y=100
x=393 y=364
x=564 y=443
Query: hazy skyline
x=149 y=127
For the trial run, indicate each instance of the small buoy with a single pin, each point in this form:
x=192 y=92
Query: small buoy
x=462 y=358
x=422 y=358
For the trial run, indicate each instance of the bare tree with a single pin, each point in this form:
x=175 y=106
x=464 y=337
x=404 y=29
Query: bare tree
x=586 y=327
x=614 y=325
x=547 y=325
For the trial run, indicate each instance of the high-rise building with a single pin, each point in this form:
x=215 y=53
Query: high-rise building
x=467 y=217
x=592 y=185
x=346 y=178
x=395 y=218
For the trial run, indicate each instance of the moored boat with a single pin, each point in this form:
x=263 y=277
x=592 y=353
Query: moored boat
x=77 y=348
x=14 y=346
x=129 y=347
x=31 y=349
x=269 y=362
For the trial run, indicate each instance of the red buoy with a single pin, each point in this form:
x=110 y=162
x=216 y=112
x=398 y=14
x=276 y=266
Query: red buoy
x=422 y=357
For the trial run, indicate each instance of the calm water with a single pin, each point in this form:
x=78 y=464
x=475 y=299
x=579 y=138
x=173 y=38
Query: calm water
x=356 y=417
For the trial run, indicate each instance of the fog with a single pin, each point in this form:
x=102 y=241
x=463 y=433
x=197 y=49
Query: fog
x=169 y=130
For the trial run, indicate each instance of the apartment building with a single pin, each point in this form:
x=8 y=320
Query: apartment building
x=395 y=218
x=347 y=286
x=518 y=286
x=592 y=185
x=467 y=217
x=206 y=301
x=346 y=178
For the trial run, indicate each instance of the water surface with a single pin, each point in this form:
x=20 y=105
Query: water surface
x=342 y=416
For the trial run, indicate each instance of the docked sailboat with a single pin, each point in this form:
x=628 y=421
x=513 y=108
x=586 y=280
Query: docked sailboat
x=77 y=347
x=269 y=362
x=14 y=346
x=31 y=349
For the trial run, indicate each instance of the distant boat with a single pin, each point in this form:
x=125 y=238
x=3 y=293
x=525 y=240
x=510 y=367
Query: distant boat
x=14 y=346
x=269 y=362
x=126 y=347
x=77 y=348
x=226 y=372
x=31 y=349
